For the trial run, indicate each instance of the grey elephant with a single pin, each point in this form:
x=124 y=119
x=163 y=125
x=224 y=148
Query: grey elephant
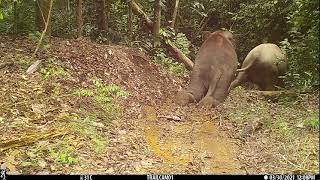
x=263 y=66
x=213 y=71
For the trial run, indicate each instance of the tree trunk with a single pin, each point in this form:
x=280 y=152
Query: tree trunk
x=174 y=14
x=15 y=14
x=42 y=12
x=36 y=64
x=79 y=18
x=68 y=14
x=157 y=20
x=169 y=4
x=101 y=18
x=171 y=47
x=130 y=19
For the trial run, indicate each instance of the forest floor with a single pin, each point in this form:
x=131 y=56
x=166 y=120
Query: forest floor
x=103 y=109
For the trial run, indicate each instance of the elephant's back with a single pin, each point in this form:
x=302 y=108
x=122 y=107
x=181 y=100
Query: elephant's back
x=269 y=53
x=216 y=52
x=264 y=55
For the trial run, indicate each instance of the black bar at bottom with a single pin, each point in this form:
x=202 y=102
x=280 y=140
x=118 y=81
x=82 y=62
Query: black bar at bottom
x=164 y=177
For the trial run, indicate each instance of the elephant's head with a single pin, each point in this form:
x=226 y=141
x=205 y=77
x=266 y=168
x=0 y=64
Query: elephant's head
x=227 y=34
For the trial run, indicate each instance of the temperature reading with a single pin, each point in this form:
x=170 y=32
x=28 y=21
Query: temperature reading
x=85 y=177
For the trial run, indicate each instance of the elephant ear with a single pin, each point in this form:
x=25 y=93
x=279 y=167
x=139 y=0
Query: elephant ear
x=233 y=42
x=205 y=35
x=230 y=37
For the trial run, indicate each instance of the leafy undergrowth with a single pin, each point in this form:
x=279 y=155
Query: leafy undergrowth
x=75 y=114
x=287 y=140
x=82 y=112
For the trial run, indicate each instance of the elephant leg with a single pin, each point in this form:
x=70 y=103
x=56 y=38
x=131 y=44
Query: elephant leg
x=267 y=85
x=221 y=92
x=208 y=100
x=269 y=81
x=193 y=93
x=184 y=97
x=242 y=77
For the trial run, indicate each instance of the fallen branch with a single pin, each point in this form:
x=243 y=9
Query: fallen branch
x=172 y=117
x=275 y=94
x=9 y=105
x=37 y=136
x=36 y=64
x=3 y=65
x=170 y=46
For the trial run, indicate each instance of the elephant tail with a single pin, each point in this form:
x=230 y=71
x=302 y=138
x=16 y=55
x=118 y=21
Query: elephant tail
x=243 y=69
x=249 y=61
x=247 y=67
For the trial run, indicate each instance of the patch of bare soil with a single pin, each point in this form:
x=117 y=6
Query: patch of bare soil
x=61 y=131
x=189 y=141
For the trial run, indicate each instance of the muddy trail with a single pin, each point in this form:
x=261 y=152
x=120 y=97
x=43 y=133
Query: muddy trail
x=103 y=109
x=181 y=142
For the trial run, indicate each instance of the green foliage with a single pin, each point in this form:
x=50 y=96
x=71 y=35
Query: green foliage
x=182 y=42
x=111 y=90
x=178 y=39
x=100 y=145
x=35 y=37
x=63 y=17
x=312 y=123
x=65 y=153
x=293 y=24
x=172 y=65
x=64 y=158
x=302 y=44
x=19 y=19
x=102 y=93
x=54 y=70
x=259 y=22
x=84 y=93
x=25 y=62
x=105 y=97
x=283 y=129
x=87 y=128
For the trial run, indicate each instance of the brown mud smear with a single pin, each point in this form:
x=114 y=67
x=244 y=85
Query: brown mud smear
x=184 y=143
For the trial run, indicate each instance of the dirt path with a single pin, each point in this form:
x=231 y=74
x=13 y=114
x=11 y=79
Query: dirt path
x=193 y=141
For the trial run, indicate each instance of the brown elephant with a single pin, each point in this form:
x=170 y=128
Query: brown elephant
x=214 y=69
x=262 y=66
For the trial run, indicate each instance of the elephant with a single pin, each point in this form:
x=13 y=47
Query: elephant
x=214 y=69
x=263 y=66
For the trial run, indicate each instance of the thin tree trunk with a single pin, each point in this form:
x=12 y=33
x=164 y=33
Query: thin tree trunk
x=202 y=26
x=68 y=14
x=174 y=14
x=79 y=18
x=171 y=47
x=168 y=13
x=101 y=18
x=15 y=17
x=130 y=22
x=36 y=64
x=157 y=20
x=42 y=13
x=107 y=11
